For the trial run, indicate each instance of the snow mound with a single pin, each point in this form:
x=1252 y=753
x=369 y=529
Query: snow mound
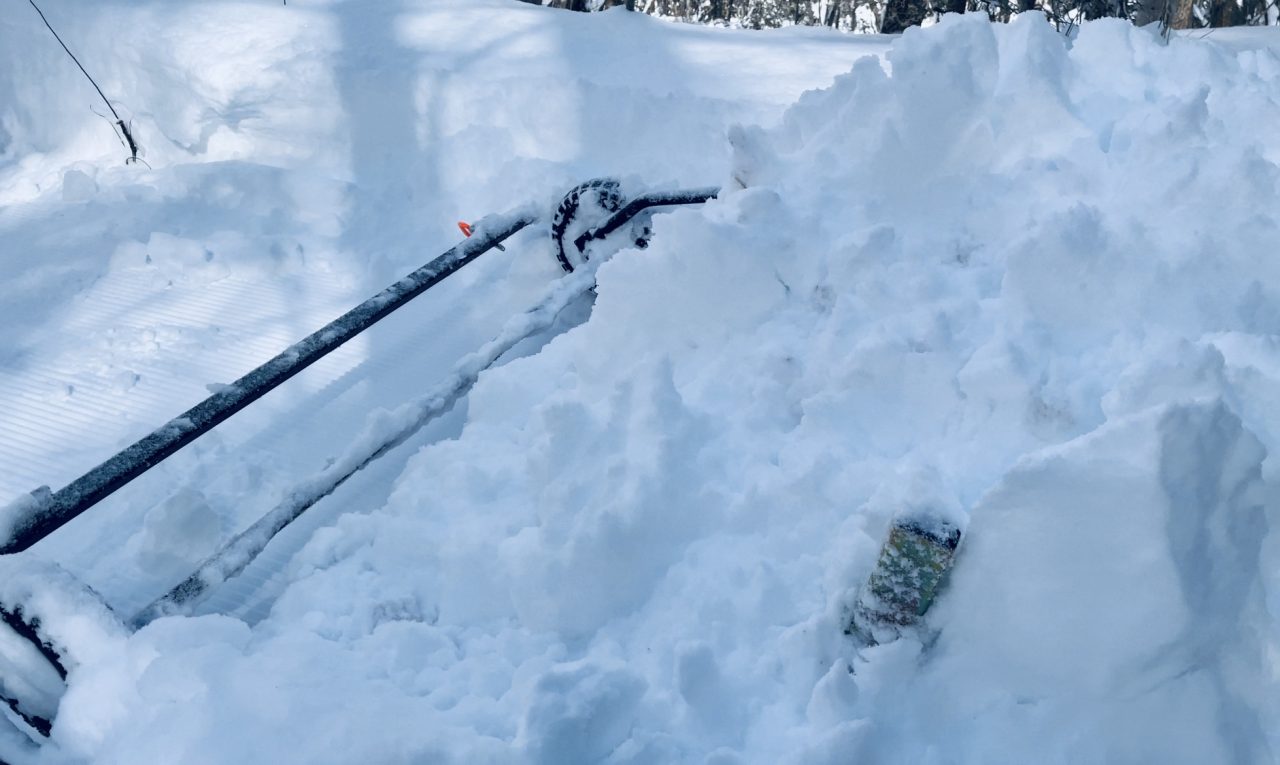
x=1109 y=588
x=1021 y=282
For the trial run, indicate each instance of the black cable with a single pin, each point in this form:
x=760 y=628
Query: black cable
x=133 y=147
x=73 y=58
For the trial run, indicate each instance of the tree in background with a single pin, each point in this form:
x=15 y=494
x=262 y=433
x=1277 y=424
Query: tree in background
x=585 y=5
x=891 y=16
x=900 y=14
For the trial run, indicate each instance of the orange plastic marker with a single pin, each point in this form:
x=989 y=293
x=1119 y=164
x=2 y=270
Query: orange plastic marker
x=467 y=230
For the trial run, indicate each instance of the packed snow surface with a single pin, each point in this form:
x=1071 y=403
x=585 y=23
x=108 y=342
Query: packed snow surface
x=1023 y=282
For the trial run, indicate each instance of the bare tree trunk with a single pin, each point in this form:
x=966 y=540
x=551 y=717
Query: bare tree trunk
x=900 y=14
x=1225 y=13
x=1181 y=14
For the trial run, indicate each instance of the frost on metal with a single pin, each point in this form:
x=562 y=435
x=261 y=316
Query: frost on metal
x=913 y=563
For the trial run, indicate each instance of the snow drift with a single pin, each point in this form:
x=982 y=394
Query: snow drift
x=1023 y=281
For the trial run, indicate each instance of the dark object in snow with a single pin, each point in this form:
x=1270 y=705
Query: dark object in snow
x=31 y=663
x=584 y=205
x=594 y=210
x=912 y=565
x=638 y=205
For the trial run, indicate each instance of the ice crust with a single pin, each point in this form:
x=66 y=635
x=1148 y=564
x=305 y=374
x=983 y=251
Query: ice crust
x=1021 y=282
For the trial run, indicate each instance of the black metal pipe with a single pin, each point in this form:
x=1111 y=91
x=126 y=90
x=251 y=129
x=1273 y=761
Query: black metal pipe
x=46 y=511
x=642 y=202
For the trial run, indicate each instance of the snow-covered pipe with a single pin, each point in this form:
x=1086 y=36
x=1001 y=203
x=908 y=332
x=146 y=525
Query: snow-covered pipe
x=32 y=518
x=643 y=202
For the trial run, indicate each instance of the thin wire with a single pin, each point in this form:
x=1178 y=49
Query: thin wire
x=73 y=58
x=124 y=129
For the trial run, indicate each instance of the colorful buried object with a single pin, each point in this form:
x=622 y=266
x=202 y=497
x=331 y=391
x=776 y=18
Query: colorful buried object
x=913 y=563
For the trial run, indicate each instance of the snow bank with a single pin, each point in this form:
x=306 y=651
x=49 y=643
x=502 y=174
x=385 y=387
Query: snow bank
x=1108 y=601
x=1017 y=281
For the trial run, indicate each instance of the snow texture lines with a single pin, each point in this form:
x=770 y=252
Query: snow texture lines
x=78 y=407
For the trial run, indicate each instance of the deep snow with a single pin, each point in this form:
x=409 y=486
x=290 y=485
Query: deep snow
x=1025 y=282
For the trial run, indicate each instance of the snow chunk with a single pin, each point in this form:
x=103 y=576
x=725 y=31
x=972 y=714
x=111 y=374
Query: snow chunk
x=580 y=713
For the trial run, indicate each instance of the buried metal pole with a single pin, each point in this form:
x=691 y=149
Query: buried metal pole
x=642 y=202
x=34 y=517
